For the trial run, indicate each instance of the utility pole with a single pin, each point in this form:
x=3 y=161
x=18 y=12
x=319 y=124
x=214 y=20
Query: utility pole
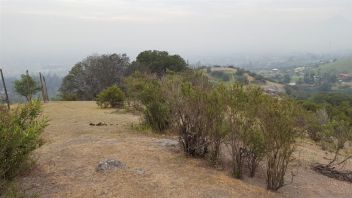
x=46 y=90
x=42 y=87
x=3 y=83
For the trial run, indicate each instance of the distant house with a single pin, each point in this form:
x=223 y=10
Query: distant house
x=299 y=69
x=344 y=76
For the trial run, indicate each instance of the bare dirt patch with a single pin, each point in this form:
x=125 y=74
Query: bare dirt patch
x=153 y=167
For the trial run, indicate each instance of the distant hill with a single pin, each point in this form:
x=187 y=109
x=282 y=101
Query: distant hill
x=232 y=74
x=338 y=66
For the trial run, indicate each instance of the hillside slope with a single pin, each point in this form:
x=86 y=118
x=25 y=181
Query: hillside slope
x=231 y=75
x=340 y=65
x=66 y=163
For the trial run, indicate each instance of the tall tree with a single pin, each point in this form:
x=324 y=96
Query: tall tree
x=159 y=62
x=95 y=73
x=26 y=86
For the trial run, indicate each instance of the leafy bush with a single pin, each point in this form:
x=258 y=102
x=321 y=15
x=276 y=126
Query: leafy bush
x=192 y=125
x=156 y=115
x=245 y=138
x=242 y=79
x=67 y=97
x=218 y=125
x=19 y=135
x=206 y=116
x=147 y=90
x=111 y=97
x=187 y=99
x=279 y=120
x=221 y=75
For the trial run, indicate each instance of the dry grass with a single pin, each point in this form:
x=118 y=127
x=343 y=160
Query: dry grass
x=66 y=163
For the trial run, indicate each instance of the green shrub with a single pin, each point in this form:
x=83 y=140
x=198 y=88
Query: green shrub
x=280 y=123
x=157 y=115
x=194 y=112
x=19 y=135
x=68 y=97
x=147 y=90
x=242 y=79
x=206 y=117
x=217 y=124
x=191 y=120
x=245 y=138
x=220 y=75
x=111 y=97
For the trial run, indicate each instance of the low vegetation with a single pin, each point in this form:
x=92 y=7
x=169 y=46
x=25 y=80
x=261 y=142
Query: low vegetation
x=206 y=116
x=146 y=90
x=20 y=131
x=111 y=97
x=216 y=113
x=332 y=124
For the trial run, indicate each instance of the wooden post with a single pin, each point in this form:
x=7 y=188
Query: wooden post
x=46 y=89
x=28 y=88
x=42 y=87
x=3 y=83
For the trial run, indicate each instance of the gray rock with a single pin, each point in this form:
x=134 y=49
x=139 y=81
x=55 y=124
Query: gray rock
x=109 y=164
x=347 y=144
x=139 y=171
x=168 y=143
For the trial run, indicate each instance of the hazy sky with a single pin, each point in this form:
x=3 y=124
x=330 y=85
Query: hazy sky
x=58 y=33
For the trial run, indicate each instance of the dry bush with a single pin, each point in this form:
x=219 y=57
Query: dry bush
x=245 y=138
x=188 y=104
x=279 y=123
x=218 y=125
x=197 y=113
x=147 y=89
x=253 y=125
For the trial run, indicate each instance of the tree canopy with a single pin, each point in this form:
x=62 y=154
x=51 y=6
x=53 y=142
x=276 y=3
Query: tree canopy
x=159 y=62
x=93 y=74
x=26 y=86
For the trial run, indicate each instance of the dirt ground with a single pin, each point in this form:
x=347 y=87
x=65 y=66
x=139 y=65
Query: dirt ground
x=66 y=163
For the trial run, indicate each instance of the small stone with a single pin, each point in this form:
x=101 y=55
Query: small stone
x=109 y=164
x=91 y=124
x=168 y=143
x=101 y=124
x=139 y=171
x=347 y=144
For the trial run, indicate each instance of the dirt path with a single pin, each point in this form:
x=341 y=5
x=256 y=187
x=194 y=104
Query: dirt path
x=66 y=163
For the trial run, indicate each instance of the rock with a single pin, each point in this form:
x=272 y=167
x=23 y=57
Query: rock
x=101 y=124
x=139 y=171
x=109 y=164
x=347 y=144
x=91 y=124
x=168 y=143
